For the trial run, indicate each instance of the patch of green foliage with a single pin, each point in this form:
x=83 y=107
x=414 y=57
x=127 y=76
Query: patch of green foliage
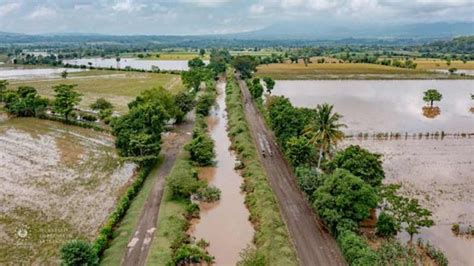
x=78 y=252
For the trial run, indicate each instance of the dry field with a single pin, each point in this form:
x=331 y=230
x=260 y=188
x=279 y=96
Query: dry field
x=118 y=87
x=440 y=173
x=424 y=63
x=57 y=182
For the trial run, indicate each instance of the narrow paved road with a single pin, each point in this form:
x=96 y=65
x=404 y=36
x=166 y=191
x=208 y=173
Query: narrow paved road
x=314 y=244
x=139 y=246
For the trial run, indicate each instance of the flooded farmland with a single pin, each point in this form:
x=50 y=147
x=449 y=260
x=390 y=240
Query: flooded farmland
x=20 y=73
x=58 y=182
x=437 y=171
x=387 y=105
x=131 y=62
x=224 y=224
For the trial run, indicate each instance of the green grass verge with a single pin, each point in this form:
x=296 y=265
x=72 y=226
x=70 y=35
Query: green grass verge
x=172 y=223
x=124 y=231
x=272 y=241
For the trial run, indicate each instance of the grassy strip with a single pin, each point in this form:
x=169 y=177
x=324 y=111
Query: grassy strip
x=106 y=232
x=87 y=125
x=123 y=233
x=172 y=221
x=273 y=245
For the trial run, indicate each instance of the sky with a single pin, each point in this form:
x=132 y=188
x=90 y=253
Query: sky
x=195 y=17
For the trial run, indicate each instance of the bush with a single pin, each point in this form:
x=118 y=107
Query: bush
x=188 y=254
x=208 y=194
x=183 y=181
x=205 y=102
x=355 y=249
x=78 y=252
x=386 y=225
x=201 y=149
x=308 y=180
x=101 y=104
x=88 y=117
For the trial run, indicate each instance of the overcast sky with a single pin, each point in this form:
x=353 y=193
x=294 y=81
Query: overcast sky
x=215 y=16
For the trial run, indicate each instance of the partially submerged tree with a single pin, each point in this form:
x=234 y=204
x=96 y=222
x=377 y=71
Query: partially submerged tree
x=66 y=99
x=270 y=84
x=431 y=96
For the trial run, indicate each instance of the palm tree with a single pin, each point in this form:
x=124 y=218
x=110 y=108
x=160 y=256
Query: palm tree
x=325 y=131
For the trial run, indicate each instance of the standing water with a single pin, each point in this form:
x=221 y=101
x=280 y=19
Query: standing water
x=225 y=224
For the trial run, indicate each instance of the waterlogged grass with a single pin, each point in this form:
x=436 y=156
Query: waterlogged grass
x=118 y=87
x=271 y=238
x=172 y=223
x=343 y=71
x=124 y=232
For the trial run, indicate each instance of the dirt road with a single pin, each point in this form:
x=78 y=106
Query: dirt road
x=314 y=245
x=139 y=245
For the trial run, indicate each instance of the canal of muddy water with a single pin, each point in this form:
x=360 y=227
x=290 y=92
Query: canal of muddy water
x=224 y=224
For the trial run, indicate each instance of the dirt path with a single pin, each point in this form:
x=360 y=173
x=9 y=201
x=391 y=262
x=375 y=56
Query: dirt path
x=139 y=246
x=314 y=245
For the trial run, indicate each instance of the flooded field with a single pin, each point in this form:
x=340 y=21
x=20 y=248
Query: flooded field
x=131 y=62
x=57 y=182
x=439 y=172
x=224 y=224
x=20 y=73
x=387 y=105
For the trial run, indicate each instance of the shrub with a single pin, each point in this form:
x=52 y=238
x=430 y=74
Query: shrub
x=209 y=194
x=101 y=104
x=355 y=249
x=188 y=254
x=308 y=180
x=183 y=181
x=78 y=252
x=386 y=225
x=88 y=117
x=201 y=149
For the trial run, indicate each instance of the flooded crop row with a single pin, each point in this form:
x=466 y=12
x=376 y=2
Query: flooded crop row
x=57 y=182
x=439 y=171
x=224 y=224
x=132 y=63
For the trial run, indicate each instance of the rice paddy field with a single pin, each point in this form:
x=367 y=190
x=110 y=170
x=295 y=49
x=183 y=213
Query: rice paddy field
x=58 y=182
x=119 y=87
x=335 y=70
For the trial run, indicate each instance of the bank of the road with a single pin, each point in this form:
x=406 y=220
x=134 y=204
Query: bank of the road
x=313 y=243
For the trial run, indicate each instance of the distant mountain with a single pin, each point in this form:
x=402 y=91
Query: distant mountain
x=313 y=31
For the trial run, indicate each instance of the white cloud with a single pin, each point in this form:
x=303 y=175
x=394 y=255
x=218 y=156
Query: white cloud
x=42 y=13
x=257 y=9
x=127 y=6
x=8 y=8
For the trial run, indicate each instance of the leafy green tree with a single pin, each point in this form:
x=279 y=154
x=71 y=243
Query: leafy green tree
x=219 y=60
x=138 y=133
x=64 y=74
x=25 y=102
x=256 y=90
x=411 y=216
x=344 y=197
x=185 y=103
x=285 y=120
x=205 y=102
x=3 y=88
x=431 y=96
x=66 y=99
x=386 y=225
x=202 y=52
x=195 y=62
x=192 y=79
x=78 y=253
x=201 y=149
x=356 y=250
x=325 y=131
x=245 y=64
x=158 y=96
x=101 y=104
x=299 y=151
x=270 y=84
x=360 y=162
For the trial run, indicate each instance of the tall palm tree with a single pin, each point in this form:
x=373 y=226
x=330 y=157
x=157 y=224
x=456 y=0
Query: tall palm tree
x=325 y=131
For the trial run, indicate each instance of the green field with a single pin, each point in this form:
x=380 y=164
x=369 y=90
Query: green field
x=119 y=87
x=344 y=71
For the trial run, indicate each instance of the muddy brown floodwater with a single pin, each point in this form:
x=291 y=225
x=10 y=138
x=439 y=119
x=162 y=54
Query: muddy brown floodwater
x=438 y=172
x=224 y=224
